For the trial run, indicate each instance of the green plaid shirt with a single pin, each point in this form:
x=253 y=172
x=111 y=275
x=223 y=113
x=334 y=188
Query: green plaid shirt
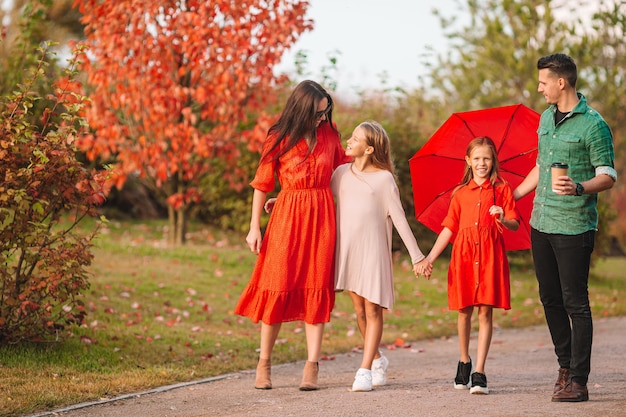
x=584 y=141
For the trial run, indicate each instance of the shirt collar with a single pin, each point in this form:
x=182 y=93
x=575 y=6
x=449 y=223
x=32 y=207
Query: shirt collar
x=472 y=184
x=581 y=106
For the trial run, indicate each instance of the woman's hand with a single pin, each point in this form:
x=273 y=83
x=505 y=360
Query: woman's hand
x=254 y=240
x=269 y=205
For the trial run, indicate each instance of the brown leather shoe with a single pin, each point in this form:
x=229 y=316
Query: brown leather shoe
x=561 y=381
x=572 y=393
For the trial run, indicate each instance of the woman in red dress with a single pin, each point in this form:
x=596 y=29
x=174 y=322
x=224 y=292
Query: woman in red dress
x=293 y=278
x=479 y=270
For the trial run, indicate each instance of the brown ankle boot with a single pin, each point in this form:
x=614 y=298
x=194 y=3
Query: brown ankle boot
x=561 y=381
x=263 y=374
x=573 y=393
x=309 y=376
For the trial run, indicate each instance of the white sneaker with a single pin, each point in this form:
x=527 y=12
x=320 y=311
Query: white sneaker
x=379 y=371
x=362 y=380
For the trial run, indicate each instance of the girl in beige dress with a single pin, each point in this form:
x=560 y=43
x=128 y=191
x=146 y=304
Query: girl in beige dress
x=368 y=205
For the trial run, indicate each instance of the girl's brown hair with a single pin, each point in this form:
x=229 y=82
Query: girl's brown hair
x=377 y=138
x=495 y=168
x=299 y=118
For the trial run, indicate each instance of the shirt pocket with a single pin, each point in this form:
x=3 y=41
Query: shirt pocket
x=570 y=149
x=544 y=141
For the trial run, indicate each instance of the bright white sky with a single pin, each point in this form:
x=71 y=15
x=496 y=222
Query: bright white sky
x=376 y=36
x=373 y=36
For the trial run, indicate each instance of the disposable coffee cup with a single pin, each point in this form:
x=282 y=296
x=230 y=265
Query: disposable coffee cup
x=558 y=169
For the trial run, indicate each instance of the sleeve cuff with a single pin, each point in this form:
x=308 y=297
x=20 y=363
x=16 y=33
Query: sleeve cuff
x=610 y=171
x=419 y=258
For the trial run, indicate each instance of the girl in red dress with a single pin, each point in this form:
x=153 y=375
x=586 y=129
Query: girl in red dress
x=479 y=270
x=293 y=278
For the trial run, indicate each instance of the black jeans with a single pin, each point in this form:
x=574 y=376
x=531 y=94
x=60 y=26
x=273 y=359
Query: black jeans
x=562 y=269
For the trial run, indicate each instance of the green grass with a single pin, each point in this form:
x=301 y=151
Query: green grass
x=159 y=315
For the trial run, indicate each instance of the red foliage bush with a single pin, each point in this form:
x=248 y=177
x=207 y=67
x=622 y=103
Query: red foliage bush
x=44 y=194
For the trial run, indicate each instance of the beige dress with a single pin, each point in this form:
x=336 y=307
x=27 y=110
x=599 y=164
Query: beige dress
x=368 y=205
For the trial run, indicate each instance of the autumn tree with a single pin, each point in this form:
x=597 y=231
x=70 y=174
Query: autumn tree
x=173 y=83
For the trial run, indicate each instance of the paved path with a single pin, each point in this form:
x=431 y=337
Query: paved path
x=521 y=370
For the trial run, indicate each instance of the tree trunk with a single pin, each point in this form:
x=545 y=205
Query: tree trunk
x=181 y=226
x=177 y=225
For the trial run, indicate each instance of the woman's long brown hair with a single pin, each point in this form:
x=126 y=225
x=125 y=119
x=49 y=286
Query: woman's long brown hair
x=299 y=118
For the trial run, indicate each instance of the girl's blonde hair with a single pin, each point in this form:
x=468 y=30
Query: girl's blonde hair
x=495 y=167
x=377 y=138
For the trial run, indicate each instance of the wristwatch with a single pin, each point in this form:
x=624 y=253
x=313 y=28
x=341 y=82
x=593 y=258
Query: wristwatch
x=580 y=190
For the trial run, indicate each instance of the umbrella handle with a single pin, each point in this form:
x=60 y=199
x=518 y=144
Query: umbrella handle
x=498 y=225
x=495 y=217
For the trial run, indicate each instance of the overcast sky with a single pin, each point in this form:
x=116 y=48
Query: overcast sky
x=392 y=36
x=373 y=36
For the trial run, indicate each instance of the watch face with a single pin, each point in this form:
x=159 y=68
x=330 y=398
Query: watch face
x=579 y=189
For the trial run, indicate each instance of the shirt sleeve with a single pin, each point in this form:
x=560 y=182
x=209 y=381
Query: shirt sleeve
x=508 y=203
x=264 y=179
x=610 y=171
x=339 y=154
x=600 y=145
x=398 y=217
x=335 y=180
x=451 y=221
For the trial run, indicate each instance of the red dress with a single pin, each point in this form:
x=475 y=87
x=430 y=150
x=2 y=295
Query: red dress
x=479 y=269
x=293 y=278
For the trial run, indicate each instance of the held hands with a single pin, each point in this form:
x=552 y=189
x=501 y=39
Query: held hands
x=423 y=267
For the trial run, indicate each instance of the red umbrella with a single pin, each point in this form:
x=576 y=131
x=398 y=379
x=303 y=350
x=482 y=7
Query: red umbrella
x=437 y=168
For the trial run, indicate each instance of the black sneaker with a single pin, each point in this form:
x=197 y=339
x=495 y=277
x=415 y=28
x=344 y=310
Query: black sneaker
x=463 y=371
x=479 y=384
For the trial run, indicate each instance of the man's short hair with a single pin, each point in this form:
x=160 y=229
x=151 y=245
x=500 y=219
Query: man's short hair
x=562 y=65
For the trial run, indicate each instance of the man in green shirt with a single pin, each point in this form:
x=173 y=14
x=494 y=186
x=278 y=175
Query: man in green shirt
x=565 y=217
